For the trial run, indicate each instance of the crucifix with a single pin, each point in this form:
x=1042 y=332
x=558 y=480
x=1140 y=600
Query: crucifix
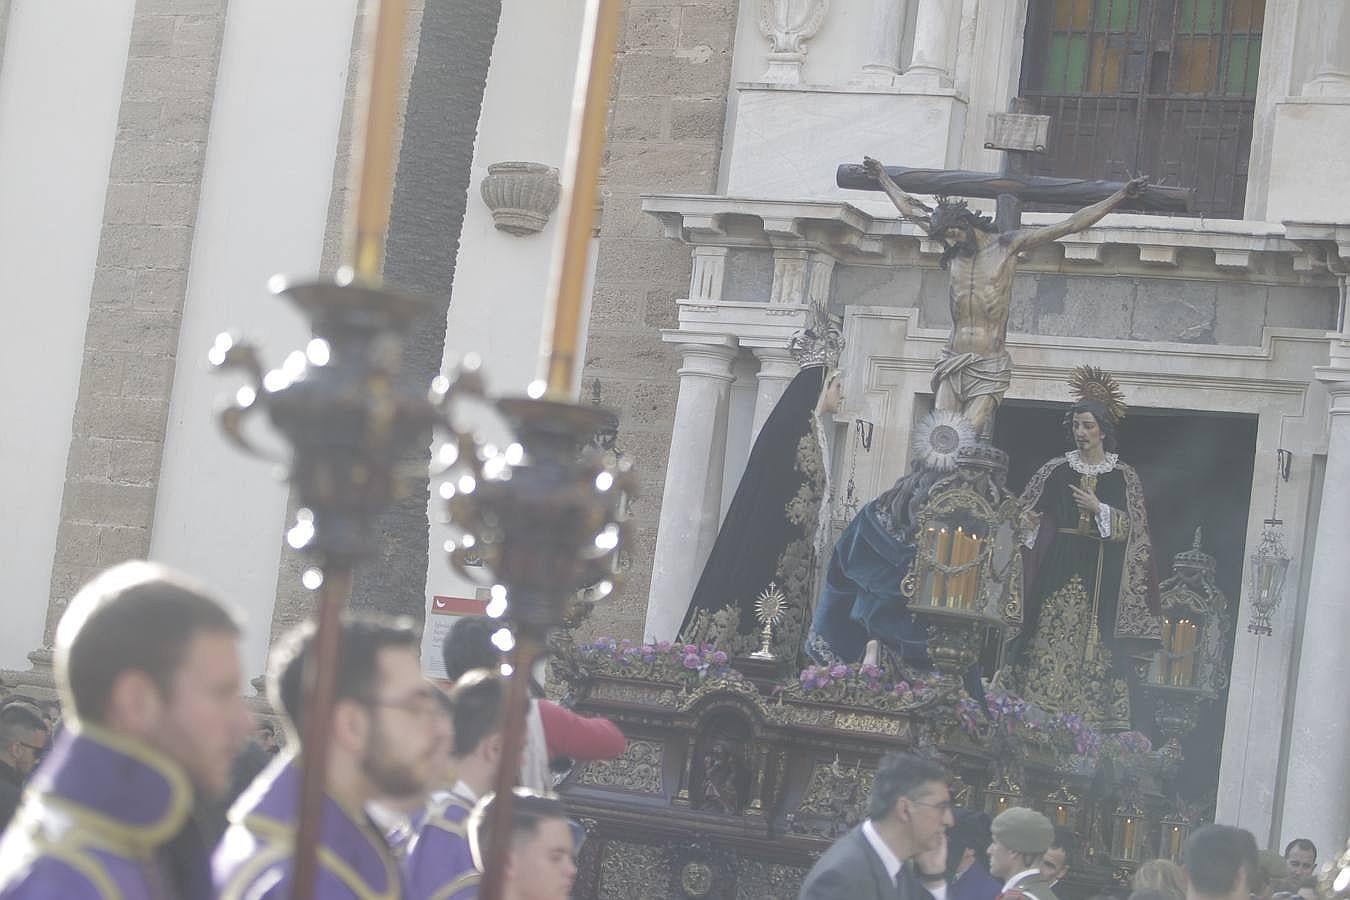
x=975 y=369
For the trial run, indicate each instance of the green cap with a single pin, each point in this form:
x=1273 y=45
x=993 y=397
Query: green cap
x=1023 y=830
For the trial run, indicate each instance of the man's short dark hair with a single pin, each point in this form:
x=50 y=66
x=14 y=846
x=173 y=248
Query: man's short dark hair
x=528 y=811
x=469 y=646
x=18 y=720
x=477 y=699
x=1301 y=844
x=1064 y=840
x=362 y=639
x=971 y=832
x=899 y=774
x=1216 y=854
x=134 y=616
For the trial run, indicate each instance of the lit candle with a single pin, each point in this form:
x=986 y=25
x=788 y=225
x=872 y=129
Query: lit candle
x=1162 y=660
x=944 y=556
x=1174 y=842
x=1128 y=845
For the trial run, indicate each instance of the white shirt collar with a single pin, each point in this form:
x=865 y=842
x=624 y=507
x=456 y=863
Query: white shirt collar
x=889 y=860
x=465 y=791
x=1107 y=464
x=1019 y=876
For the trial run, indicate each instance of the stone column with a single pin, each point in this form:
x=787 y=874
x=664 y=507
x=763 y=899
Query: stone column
x=777 y=367
x=692 y=501
x=931 y=63
x=882 y=68
x=1317 y=796
x=1332 y=75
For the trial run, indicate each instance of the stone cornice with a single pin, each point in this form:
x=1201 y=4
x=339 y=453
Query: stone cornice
x=1120 y=244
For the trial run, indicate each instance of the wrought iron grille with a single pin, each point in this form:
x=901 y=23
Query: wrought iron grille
x=1164 y=88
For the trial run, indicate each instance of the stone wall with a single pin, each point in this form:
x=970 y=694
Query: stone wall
x=1182 y=306
x=667 y=116
x=140 y=280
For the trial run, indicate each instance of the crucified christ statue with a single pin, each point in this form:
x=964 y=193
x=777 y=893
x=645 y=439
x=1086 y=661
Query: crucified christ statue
x=975 y=369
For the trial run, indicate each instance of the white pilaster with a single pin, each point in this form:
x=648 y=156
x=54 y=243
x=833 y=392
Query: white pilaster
x=932 y=62
x=777 y=367
x=1331 y=78
x=1317 y=796
x=882 y=66
x=692 y=501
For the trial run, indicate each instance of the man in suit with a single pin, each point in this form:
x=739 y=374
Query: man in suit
x=1055 y=862
x=968 y=859
x=899 y=852
x=1222 y=863
x=1021 y=837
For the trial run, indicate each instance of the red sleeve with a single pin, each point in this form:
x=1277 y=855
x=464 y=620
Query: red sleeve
x=578 y=737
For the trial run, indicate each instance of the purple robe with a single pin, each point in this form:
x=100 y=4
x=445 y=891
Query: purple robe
x=440 y=865
x=254 y=860
x=104 y=817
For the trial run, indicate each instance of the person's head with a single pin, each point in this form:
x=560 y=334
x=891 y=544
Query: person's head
x=1301 y=857
x=51 y=713
x=266 y=736
x=910 y=799
x=1090 y=427
x=388 y=734
x=1220 y=861
x=831 y=393
x=1055 y=861
x=954 y=223
x=539 y=863
x=1020 y=838
x=477 y=745
x=1162 y=876
x=469 y=646
x=23 y=736
x=148 y=654
x=968 y=841
x=1272 y=874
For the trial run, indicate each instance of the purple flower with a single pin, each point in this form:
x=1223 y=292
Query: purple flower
x=839 y=671
x=662 y=646
x=691 y=661
x=719 y=657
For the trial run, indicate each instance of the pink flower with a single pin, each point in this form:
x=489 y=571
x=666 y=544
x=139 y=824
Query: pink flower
x=839 y=671
x=691 y=661
x=719 y=657
x=662 y=646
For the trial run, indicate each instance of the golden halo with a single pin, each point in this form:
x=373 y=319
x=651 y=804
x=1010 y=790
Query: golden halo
x=1092 y=383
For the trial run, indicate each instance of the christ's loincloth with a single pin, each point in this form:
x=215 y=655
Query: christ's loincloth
x=970 y=375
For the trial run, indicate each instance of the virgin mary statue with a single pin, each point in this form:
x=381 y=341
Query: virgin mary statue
x=778 y=521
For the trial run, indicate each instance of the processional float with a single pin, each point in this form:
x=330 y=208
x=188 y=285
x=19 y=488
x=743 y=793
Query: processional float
x=543 y=514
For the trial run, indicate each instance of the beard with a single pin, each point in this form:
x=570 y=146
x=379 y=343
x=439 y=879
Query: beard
x=390 y=775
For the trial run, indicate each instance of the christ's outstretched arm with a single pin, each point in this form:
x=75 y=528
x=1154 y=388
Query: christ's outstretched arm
x=1027 y=238
x=909 y=207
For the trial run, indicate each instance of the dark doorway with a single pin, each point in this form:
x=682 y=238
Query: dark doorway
x=1197 y=472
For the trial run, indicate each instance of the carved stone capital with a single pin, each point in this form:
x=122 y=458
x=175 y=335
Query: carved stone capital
x=521 y=195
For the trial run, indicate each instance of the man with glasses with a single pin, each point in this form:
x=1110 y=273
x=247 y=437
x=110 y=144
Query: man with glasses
x=900 y=851
x=388 y=736
x=23 y=741
x=1301 y=856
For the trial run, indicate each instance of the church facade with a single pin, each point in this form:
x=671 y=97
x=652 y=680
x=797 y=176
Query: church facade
x=173 y=154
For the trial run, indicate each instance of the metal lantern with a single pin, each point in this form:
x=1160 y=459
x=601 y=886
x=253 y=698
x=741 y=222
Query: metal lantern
x=1061 y=806
x=1129 y=832
x=1173 y=829
x=1270 y=562
x=1002 y=793
x=967 y=569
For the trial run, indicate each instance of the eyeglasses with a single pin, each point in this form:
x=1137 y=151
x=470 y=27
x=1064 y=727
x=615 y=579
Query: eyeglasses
x=422 y=704
x=944 y=806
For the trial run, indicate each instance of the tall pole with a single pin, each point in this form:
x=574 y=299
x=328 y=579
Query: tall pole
x=367 y=225
x=558 y=365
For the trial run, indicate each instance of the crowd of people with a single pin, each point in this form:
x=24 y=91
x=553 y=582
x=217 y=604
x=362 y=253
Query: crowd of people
x=917 y=845
x=127 y=798
x=124 y=791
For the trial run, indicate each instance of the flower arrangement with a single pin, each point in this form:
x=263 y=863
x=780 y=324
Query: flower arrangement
x=859 y=684
x=1008 y=715
x=659 y=661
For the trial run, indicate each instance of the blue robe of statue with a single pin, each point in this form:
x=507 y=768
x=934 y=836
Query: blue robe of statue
x=104 y=818
x=253 y=859
x=861 y=598
x=440 y=865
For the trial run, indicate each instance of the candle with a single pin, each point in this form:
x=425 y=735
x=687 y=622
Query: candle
x=580 y=181
x=1174 y=842
x=1061 y=815
x=1127 y=847
x=957 y=589
x=1162 y=661
x=944 y=556
x=374 y=150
